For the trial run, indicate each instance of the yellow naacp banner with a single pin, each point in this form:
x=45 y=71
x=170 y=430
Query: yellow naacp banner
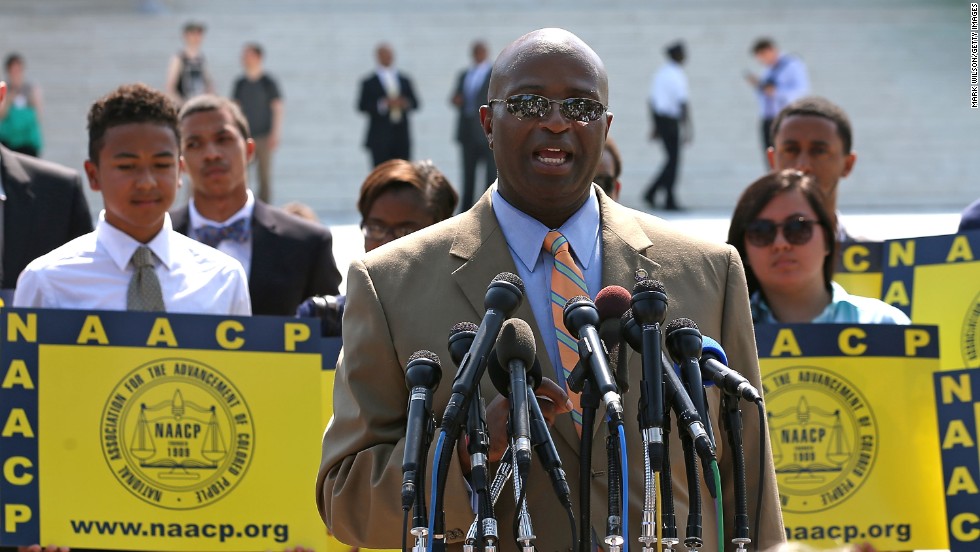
x=936 y=280
x=145 y=431
x=854 y=437
x=958 y=403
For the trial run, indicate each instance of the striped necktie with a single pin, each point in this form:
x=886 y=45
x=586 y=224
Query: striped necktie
x=567 y=281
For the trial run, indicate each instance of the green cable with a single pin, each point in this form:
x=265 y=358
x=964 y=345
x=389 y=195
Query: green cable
x=715 y=472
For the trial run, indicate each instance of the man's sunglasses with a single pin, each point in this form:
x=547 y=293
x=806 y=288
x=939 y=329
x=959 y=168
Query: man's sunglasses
x=797 y=231
x=531 y=106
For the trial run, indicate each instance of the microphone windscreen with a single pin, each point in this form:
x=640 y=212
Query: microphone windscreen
x=631 y=332
x=510 y=277
x=516 y=341
x=577 y=299
x=679 y=323
x=418 y=372
x=648 y=284
x=612 y=302
x=711 y=347
x=424 y=354
x=460 y=327
x=500 y=378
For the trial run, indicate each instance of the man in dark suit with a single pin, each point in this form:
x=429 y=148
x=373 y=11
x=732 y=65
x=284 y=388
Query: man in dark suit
x=405 y=295
x=44 y=207
x=387 y=97
x=470 y=94
x=287 y=259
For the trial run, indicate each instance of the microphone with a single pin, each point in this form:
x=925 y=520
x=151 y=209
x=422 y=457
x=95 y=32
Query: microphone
x=504 y=294
x=581 y=318
x=714 y=366
x=422 y=375
x=515 y=345
x=612 y=302
x=649 y=306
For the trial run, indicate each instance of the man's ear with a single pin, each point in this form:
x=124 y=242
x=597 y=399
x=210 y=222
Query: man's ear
x=92 y=172
x=249 y=149
x=771 y=156
x=487 y=122
x=849 y=164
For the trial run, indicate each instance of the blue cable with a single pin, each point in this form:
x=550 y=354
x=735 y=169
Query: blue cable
x=623 y=469
x=435 y=488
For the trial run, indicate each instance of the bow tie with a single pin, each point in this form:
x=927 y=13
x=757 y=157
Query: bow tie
x=239 y=231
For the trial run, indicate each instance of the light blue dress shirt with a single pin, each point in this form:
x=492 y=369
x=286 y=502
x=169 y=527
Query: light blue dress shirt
x=525 y=238
x=844 y=308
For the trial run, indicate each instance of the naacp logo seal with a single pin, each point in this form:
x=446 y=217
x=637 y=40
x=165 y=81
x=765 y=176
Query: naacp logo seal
x=971 y=359
x=824 y=437
x=177 y=434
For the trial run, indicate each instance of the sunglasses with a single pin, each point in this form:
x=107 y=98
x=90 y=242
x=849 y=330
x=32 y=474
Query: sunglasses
x=378 y=232
x=797 y=231
x=531 y=106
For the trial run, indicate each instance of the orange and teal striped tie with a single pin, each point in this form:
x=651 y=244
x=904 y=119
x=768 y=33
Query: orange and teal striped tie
x=567 y=281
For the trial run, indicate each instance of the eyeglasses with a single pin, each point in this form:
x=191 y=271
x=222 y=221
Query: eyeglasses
x=379 y=232
x=796 y=230
x=531 y=106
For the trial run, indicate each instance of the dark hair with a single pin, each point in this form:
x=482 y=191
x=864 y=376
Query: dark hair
x=761 y=44
x=130 y=103
x=12 y=59
x=212 y=102
x=194 y=26
x=816 y=106
x=423 y=176
x=255 y=47
x=755 y=198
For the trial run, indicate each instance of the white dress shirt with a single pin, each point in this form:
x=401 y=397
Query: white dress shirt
x=93 y=272
x=789 y=75
x=240 y=251
x=668 y=90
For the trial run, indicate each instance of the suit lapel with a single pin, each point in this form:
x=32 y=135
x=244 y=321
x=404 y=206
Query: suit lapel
x=264 y=251
x=20 y=220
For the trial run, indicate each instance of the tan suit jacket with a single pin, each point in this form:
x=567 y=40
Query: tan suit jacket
x=406 y=296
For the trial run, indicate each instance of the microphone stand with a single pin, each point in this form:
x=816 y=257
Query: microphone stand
x=614 y=523
x=693 y=539
x=669 y=538
x=733 y=423
x=525 y=532
x=504 y=471
x=478 y=448
x=590 y=405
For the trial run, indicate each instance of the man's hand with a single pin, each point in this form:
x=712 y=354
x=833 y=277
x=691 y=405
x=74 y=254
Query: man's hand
x=39 y=548
x=551 y=398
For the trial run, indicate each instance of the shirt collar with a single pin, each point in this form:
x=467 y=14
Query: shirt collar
x=198 y=220
x=120 y=246
x=525 y=234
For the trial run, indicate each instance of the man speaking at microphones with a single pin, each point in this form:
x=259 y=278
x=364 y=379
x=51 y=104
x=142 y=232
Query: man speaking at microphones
x=546 y=120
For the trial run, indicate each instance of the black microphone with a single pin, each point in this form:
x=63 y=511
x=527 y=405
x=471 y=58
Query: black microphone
x=504 y=294
x=515 y=345
x=612 y=302
x=714 y=366
x=422 y=375
x=678 y=398
x=649 y=306
x=581 y=318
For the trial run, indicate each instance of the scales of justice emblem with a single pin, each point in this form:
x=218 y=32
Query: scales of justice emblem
x=179 y=421
x=177 y=434
x=823 y=435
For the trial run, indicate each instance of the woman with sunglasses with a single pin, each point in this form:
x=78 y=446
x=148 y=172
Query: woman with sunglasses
x=785 y=236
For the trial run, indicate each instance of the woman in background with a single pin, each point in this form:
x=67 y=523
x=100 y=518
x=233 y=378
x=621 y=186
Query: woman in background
x=785 y=237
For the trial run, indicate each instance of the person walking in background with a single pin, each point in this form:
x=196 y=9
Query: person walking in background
x=784 y=234
x=470 y=94
x=20 y=115
x=187 y=74
x=669 y=108
x=286 y=259
x=785 y=79
x=260 y=99
x=387 y=97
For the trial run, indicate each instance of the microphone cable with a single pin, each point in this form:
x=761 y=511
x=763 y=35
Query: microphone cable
x=433 y=514
x=762 y=463
x=719 y=506
x=405 y=532
x=624 y=471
